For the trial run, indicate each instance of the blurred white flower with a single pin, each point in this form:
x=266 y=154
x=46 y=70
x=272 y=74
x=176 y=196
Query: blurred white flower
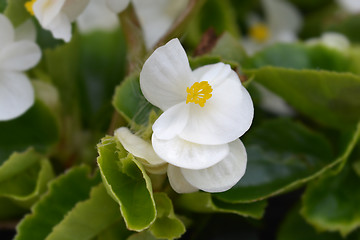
x=350 y=6
x=57 y=15
x=18 y=53
x=97 y=16
x=219 y=177
x=272 y=103
x=332 y=40
x=155 y=16
x=282 y=23
x=205 y=112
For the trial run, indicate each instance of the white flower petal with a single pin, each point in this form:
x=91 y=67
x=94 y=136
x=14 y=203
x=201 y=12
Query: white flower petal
x=225 y=117
x=189 y=155
x=222 y=176
x=282 y=16
x=137 y=146
x=178 y=182
x=165 y=76
x=214 y=74
x=171 y=122
x=19 y=56
x=157 y=16
x=273 y=103
x=26 y=31
x=336 y=41
x=7 y=31
x=97 y=16
x=351 y=6
x=16 y=95
x=47 y=10
x=60 y=27
x=117 y=5
x=73 y=8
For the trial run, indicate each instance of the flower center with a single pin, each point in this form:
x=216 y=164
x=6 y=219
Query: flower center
x=198 y=93
x=29 y=6
x=259 y=32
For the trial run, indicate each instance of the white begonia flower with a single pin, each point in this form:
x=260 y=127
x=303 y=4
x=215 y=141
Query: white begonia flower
x=18 y=53
x=283 y=21
x=272 y=103
x=331 y=40
x=57 y=15
x=205 y=112
x=350 y=6
x=97 y=16
x=217 y=178
x=155 y=16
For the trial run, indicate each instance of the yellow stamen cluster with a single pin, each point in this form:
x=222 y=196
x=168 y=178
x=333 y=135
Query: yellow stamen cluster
x=29 y=6
x=199 y=93
x=259 y=32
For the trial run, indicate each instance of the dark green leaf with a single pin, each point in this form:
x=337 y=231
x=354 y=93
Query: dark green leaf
x=130 y=102
x=300 y=56
x=328 y=98
x=38 y=128
x=204 y=203
x=281 y=156
x=295 y=228
x=332 y=203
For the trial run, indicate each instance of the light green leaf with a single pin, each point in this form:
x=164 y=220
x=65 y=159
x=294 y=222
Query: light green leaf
x=166 y=225
x=24 y=177
x=64 y=193
x=127 y=183
x=205 y=203
x=38 y=128
x=282 y=155
x=88 y=218
x=328 y=98
x=16 y=11
x=332 y=203
x=130 y=102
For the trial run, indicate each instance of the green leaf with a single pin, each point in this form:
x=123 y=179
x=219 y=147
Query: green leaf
x=38 y=128
x=282 y=155
x=166 y=225
x=332 y=203
x=228 y=48
x=24 y=177
x=328 y=98
x=218 y=15
x=64 y=193
x=130 y=102
x=88 y=218
x=3 y=5
x=127 y=183
x=205 y=203
x=145 y=235
x=116 y=231
x=103 y=61
x=300 y=56
x=295 y=228
x=16 y=11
